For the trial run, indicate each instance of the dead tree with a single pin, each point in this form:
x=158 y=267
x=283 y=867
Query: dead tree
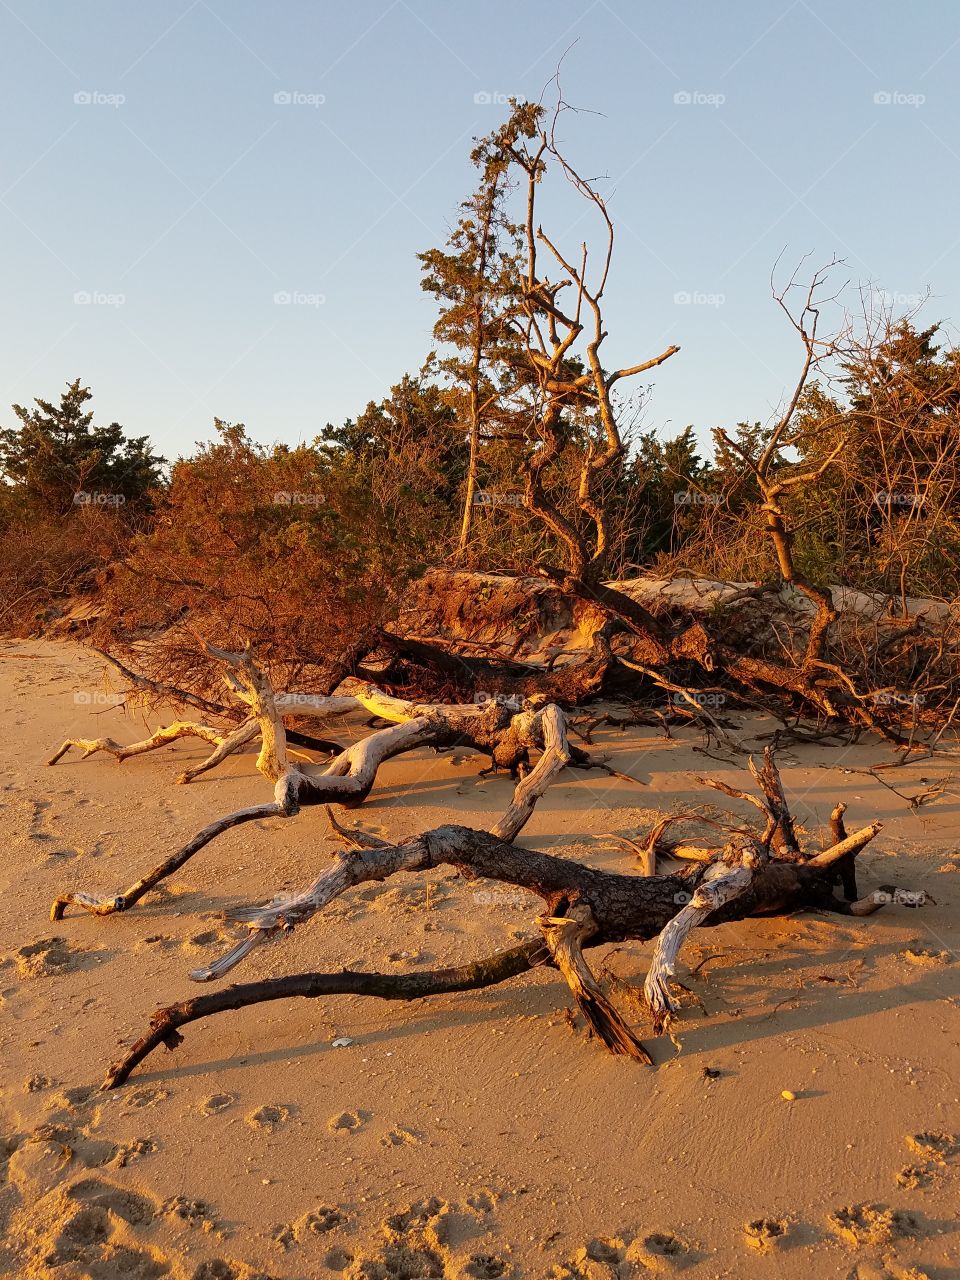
x=750 y=873
x=583 y=907
x=505 y=734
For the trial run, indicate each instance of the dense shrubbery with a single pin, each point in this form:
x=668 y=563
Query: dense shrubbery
x=375 y=500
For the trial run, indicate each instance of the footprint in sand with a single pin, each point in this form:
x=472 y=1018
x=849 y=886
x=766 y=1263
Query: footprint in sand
x=206 y=938
x=400 y=1137
x=914 y=1177
x=413 y=1244
x=216 y=1103
x=43 y=958
x=36 y=1084
x=78 y=1096
x=142 y=1098
x=347 y=1121
x=659 y=1251
x=268 y=1117
x=860 y=1224
x=482 y=1201
x=156 y=942
x=220 y=1269
x=939 y=1147
x=197 y=1213
x=486 y=1266
x=764 y=1234
x=925 y=958
x=85 y=1229
x=936 y=1151
x=318 y=1222
x=134 y=1209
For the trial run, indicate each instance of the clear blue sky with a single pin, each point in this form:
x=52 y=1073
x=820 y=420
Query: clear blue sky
x=197 y=197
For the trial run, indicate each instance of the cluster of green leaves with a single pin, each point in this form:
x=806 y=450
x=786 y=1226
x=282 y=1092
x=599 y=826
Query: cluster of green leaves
x=57 y=455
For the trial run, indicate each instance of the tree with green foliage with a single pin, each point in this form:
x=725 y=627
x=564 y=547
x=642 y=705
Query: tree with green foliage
x=411 y=455
x=57 y=453
x=475 y=280
x=887 y=515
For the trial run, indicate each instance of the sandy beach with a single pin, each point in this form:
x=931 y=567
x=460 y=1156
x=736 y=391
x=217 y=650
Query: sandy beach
x=477 y=1135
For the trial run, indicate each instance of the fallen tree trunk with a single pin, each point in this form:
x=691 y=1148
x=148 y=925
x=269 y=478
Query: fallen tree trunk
x=743 y=881
x=507 y=736
x=751 y=874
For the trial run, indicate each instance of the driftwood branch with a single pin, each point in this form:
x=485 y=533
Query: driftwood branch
x=760 y=873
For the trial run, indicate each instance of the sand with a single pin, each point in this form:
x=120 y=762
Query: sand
x=478 y=1135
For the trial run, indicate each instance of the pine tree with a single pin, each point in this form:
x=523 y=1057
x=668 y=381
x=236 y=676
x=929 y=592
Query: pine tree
x=57 y=453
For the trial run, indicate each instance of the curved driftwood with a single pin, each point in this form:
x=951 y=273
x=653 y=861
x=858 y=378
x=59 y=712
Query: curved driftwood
x=507 y=736
x=584 y=907
x=749 y=873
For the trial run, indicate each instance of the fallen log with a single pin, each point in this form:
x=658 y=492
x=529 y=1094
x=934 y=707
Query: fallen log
x=749 y=873
x=744 y=880
x=507 y=735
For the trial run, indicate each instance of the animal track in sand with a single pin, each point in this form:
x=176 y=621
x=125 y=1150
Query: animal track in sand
x=936 y=1151
x=861 y=1224
x=763 y=1234
x=132 y=1208
x=58 y=1146
x=224 y=1269
x=315 y=1223
x=206 y=938
x=218 y=1269
x=268 y=1117
x=216 y=1103
x=43 y=958
x=913 y=1177
x=347 y=1121
x=36 y=1084
x=147 y=1097
x=940 y=1147
x=612 y=1258
x=401 y=1137
x=485 y=1266
x=195 y=1212
x=925 y=958
x=156 y=942
x=84 y=1229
